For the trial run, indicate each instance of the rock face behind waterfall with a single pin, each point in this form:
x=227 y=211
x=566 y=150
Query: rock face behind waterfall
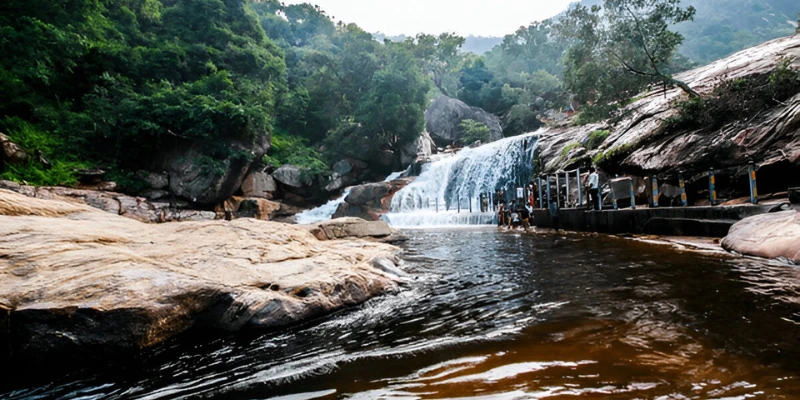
x=78 y=283
x=443 y=116
x=638 y=145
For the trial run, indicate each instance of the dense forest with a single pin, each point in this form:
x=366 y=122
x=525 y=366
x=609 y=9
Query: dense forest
x=116 y=83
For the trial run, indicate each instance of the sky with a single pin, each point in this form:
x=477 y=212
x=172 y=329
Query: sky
x=464 y=17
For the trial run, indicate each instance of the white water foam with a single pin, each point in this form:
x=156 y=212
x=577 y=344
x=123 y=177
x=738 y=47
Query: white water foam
x=321 y=213
x=448 y=190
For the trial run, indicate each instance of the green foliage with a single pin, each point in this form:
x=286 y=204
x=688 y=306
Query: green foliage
x=596 y=113
x=610 y=159
x=572 y=146
x=723 y=27
x=735 y=100
x=596 y=139
x=63 y=167
x=288 y=149
x=618 y=49
x=474 y=131
x=520 y=119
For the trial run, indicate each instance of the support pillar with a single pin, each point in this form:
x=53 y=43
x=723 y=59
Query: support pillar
x=682 y=185
x=580 y=195
x=751 y=172
x=541 y=200
x=654 y=185
x=633 y=195
x=712 y=187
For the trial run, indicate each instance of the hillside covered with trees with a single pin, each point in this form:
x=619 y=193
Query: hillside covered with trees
x=123 y=85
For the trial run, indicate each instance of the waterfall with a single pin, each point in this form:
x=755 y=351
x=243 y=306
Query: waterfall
x=448 y=191
x=326 y=211
x=321 y=213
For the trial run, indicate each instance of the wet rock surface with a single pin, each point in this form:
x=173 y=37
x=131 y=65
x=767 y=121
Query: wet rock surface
x=772 y=235
x=81 y=283
x=371 y=200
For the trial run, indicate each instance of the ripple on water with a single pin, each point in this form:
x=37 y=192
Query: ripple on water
x=499 y=315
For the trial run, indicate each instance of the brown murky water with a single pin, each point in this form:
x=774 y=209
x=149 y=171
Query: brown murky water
x=500 y=315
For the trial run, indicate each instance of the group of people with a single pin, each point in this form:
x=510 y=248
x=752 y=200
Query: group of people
x=515 y=215
x=519 y=213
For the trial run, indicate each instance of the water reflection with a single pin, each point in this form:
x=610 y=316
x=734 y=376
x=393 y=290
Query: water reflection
x=508 y=316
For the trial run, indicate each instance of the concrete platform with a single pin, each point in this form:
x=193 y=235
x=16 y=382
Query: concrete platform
x=676 y=221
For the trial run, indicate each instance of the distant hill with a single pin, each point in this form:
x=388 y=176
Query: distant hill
x=723 y=27
x=480 y=44
x=473 y=44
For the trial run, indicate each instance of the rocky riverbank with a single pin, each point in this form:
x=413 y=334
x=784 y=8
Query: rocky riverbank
x=81 y=283
x=639 y=145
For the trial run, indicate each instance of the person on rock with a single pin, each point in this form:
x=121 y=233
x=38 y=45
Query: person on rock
x=592 y=181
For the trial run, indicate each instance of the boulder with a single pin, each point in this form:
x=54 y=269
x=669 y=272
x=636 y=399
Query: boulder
x=771 y=235
x=153 y=180
x=369 y=194
x=11 y=152
x=194 y=176
x=349 y=210
x=342 y=167
x=371 y=200
x=422 y=147
x=443 y=118
x=259 y=184
x=242 y=207
x=341 y=228
x=289 y=175
x=345 y=173
x=85 y=285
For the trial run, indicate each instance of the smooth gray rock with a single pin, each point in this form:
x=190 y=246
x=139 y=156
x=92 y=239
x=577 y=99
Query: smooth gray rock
x=154 y=180
x=342 y=167
x=423 y=147
x=369 y=194
x=289 y=175
x=771 y=235
x=443 y=116
x=259 y=184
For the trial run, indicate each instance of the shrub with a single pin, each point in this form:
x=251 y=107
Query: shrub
x=739 y=99
x=596 y=139
x=288 y=149
x=474 y=131
x=63 y=166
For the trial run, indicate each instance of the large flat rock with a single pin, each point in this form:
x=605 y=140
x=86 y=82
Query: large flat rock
x=80 y=282
x=773 y=235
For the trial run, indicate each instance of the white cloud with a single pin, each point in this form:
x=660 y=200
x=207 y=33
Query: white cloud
x=464 y=17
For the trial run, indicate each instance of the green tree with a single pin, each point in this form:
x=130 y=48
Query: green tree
x=474 y=131
x=619 y=48
x=441 y=58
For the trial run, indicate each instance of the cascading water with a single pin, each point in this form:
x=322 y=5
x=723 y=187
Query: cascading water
x=321 y=213
x=326 y=211
x=448 y=191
